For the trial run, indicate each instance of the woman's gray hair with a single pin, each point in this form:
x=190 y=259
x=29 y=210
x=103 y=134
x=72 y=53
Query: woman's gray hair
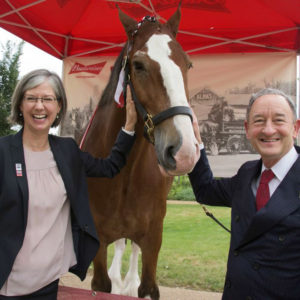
x=30 y=81
x=271 y=91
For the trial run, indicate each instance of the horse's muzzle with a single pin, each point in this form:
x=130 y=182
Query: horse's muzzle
x=177 y=155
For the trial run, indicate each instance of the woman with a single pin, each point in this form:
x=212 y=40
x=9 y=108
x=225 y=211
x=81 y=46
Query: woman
x=46 y=228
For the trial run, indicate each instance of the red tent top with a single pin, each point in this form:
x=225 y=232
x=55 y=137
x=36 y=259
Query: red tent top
x=91 y=27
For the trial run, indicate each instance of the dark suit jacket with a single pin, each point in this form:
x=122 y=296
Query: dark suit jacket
x=264 y=255
x=74 y=166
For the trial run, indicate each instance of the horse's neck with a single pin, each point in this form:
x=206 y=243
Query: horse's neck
x=107 y=123
x=114 y=117
x=103 y=131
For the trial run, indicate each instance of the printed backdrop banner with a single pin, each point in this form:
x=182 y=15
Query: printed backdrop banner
x=220 y=87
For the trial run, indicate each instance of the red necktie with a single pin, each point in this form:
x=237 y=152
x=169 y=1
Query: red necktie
x=263 y=193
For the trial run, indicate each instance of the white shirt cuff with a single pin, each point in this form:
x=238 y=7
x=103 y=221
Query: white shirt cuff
x=128 y=132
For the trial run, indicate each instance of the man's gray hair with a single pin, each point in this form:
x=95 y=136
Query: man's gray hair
x=271 y=91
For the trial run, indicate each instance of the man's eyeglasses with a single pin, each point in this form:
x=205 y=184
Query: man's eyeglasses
x=45 y=99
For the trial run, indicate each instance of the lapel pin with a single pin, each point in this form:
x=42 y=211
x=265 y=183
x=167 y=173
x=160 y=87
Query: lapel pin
x=19 y=170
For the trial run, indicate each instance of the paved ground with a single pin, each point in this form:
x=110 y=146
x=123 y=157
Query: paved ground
x=224 y=165
x=166 y=293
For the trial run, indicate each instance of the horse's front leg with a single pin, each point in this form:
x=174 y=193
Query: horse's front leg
x=114 y=271
x=101 y=281
x=150 y=246
x=132 y=279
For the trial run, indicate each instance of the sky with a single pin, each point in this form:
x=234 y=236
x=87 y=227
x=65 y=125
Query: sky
x=32 y=58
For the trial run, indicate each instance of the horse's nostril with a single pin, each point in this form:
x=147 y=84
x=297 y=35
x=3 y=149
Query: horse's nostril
x=170 y=151
x=167 y=147
x=169 y=160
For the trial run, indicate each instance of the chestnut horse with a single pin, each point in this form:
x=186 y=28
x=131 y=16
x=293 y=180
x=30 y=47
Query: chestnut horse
x=133 y=204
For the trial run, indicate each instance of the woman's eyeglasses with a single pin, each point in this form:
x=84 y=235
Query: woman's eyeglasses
x=45 y=99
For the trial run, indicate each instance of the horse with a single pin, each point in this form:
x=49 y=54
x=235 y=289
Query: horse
x=132 y=205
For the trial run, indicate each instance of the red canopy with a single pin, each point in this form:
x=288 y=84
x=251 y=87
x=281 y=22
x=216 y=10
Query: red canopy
x=91 y=27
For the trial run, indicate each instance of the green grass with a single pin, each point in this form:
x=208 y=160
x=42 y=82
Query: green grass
x=194 y=250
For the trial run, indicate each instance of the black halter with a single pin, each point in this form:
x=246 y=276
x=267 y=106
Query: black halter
x=149 y=120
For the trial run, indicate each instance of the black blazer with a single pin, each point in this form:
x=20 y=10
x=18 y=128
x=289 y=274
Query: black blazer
x=74 y=166
x=264 y=255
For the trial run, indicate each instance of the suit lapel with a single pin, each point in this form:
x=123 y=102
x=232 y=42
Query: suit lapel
x=244 y=207
x=283 y=202
x=18 y=160
x=247 y=204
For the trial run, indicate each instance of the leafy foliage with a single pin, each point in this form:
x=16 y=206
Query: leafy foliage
x=181 y=189
x=9 y=73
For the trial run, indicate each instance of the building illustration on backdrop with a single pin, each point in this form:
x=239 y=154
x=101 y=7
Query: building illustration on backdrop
x=77 y=119
x=221 y=118
x=221 y=122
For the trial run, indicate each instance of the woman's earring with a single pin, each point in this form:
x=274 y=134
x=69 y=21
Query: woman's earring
x=57 y=116
x=20 y=114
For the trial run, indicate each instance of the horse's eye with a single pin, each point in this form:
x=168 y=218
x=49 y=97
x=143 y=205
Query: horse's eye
x=139 y=66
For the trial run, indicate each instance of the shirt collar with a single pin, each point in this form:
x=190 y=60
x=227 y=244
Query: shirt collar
x=281 y=168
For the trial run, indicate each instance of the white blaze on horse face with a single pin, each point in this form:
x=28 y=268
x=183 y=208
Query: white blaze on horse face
x=159 y=51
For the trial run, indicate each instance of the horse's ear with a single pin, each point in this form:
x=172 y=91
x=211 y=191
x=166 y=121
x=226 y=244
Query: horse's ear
x=173 y=22
x=129 y=23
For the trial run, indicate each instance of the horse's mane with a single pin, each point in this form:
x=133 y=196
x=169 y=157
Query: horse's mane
x=109 y=91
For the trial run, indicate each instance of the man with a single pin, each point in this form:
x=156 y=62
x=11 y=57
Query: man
x=264 y=255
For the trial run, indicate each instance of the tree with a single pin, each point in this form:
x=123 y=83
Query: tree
x=9 y=73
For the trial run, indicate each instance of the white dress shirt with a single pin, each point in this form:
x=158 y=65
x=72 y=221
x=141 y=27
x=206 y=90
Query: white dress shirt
x=280 y=169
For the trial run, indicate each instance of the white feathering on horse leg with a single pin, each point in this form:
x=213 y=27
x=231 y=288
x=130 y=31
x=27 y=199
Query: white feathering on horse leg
x=132 y=279
x=114 y=271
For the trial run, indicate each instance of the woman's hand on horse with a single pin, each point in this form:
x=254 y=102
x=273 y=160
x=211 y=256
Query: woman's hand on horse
x=196 y=128
x=131 y=115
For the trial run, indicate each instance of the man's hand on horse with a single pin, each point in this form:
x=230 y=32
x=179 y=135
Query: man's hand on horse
x=131 y=115
x=196 y=128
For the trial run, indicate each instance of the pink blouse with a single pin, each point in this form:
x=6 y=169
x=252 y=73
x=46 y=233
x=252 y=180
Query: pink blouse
x=47 y=251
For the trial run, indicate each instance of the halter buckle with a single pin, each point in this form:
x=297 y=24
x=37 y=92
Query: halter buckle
x=150 y=128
